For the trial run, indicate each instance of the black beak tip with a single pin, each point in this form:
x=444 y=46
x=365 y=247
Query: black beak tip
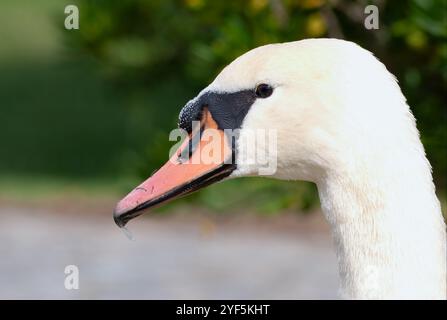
x=120 y=218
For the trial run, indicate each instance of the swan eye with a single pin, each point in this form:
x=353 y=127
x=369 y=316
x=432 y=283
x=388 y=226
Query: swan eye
x=263 y=90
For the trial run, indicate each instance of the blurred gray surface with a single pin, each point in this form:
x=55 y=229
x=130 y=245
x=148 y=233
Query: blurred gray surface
x=170 y=258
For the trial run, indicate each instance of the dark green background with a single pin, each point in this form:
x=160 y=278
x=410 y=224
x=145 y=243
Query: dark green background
x=95 y=105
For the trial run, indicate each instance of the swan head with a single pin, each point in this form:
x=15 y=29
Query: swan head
x=300 y=111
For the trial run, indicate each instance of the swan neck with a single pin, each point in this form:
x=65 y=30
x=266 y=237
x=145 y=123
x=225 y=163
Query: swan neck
x=389 y=233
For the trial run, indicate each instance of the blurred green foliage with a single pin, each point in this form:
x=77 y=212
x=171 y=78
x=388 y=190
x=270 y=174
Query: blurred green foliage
x=105 y=103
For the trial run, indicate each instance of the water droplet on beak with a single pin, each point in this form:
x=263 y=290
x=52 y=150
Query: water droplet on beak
x=128 y=233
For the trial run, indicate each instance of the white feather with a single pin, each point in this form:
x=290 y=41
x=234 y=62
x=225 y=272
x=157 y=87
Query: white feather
x=343 y=123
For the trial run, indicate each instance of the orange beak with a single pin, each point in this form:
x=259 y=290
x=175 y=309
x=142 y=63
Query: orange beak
x=179 y=177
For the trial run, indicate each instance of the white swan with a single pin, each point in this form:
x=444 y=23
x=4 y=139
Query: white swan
x=342 y=122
